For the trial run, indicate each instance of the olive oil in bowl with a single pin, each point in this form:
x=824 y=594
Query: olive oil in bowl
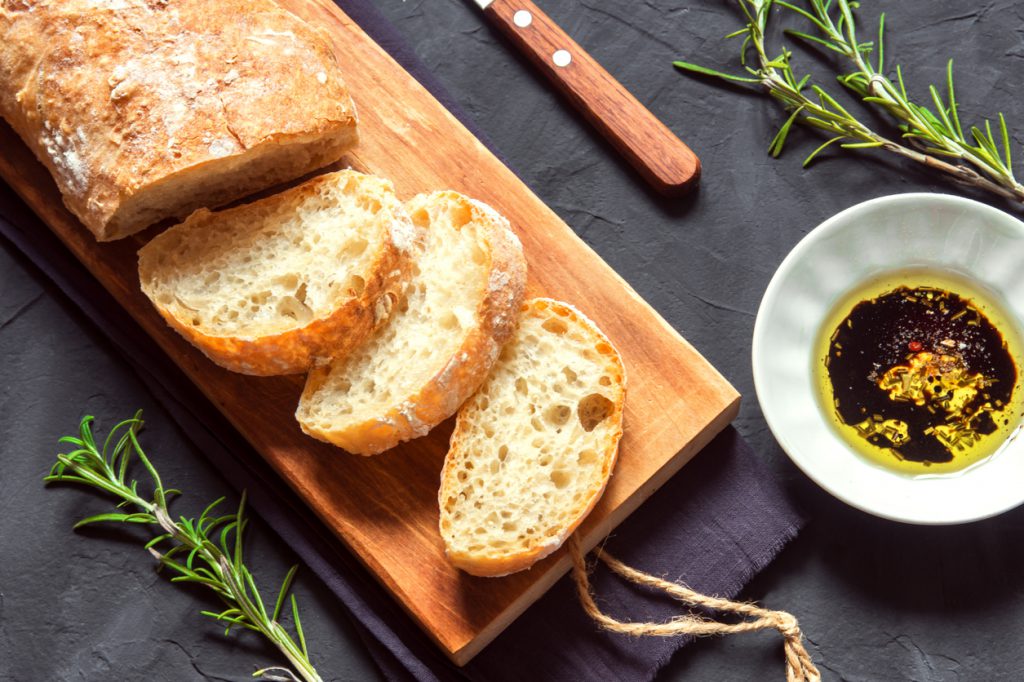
x=918 y=371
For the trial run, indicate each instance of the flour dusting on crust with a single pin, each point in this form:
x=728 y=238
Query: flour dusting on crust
x=115 y=96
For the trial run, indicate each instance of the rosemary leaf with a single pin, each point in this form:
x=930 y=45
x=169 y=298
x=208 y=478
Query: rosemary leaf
x=687 y=66
x=930 y=136
x=1006 y=137
x=215 y=563
x=819 y=150
x=780 y=137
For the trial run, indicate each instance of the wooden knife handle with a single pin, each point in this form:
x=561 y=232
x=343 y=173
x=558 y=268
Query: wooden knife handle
x=654 y=150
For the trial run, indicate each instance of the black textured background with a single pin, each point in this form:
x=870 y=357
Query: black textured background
x=877 y=600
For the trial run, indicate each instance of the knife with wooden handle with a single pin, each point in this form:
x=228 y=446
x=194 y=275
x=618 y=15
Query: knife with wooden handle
x=654 y=150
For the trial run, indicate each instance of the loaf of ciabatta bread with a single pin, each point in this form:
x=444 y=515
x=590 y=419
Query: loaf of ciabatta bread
x=534 y=448
x=271 y=286
x=145 y=110
x=459 y=308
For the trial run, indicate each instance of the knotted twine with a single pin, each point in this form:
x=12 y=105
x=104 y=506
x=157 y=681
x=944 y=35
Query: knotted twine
x=799 y=666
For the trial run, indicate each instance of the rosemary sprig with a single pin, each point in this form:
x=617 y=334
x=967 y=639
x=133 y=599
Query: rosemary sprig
x=188 y=545
x=933 y=138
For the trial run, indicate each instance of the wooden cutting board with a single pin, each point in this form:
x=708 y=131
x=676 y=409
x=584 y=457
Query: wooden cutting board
x=385 y=508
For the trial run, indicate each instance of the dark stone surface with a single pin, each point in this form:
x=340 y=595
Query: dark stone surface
x=878 y=600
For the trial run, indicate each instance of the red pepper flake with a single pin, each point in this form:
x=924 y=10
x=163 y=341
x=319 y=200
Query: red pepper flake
x=915 y=346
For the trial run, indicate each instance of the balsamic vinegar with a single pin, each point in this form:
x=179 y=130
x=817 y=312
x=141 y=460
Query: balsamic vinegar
x=918 y=371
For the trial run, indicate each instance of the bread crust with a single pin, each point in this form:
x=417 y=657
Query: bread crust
x=295 y=351
x=144 y=110
x=495 y=564
x=441 y=396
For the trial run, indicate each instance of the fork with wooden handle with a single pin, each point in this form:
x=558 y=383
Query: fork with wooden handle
x=653 y=150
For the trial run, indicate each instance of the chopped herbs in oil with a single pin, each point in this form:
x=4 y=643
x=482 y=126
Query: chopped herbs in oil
x=920 y=378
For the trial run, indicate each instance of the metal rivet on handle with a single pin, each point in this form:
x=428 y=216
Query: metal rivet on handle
x=522 y=18
x=561 y=58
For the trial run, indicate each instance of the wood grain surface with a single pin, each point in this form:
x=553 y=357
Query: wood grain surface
x=385 y=508
x=647 y=143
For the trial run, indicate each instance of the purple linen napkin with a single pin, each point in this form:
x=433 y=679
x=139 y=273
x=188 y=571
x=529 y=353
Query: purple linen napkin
x=714 y=526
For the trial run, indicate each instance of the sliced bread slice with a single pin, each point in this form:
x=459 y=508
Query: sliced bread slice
x=271 y=286
x=534 y=448
x=459 y=308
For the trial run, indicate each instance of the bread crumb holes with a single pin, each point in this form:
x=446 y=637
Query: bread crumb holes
x=561 y=478
x=558 y=415
x=592 y=410
x=555 y=326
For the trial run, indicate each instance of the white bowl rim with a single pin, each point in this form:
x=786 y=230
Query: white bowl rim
x=821 y=231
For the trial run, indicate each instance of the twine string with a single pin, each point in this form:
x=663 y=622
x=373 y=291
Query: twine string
x=799 y=666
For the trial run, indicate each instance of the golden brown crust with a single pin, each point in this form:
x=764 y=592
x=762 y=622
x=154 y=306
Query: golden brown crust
x=467 y=368
x=496 y=565
x=295 y=350
x=140 y=99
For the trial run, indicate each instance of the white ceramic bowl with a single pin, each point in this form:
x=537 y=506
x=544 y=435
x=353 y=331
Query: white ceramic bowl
x=885 y=234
